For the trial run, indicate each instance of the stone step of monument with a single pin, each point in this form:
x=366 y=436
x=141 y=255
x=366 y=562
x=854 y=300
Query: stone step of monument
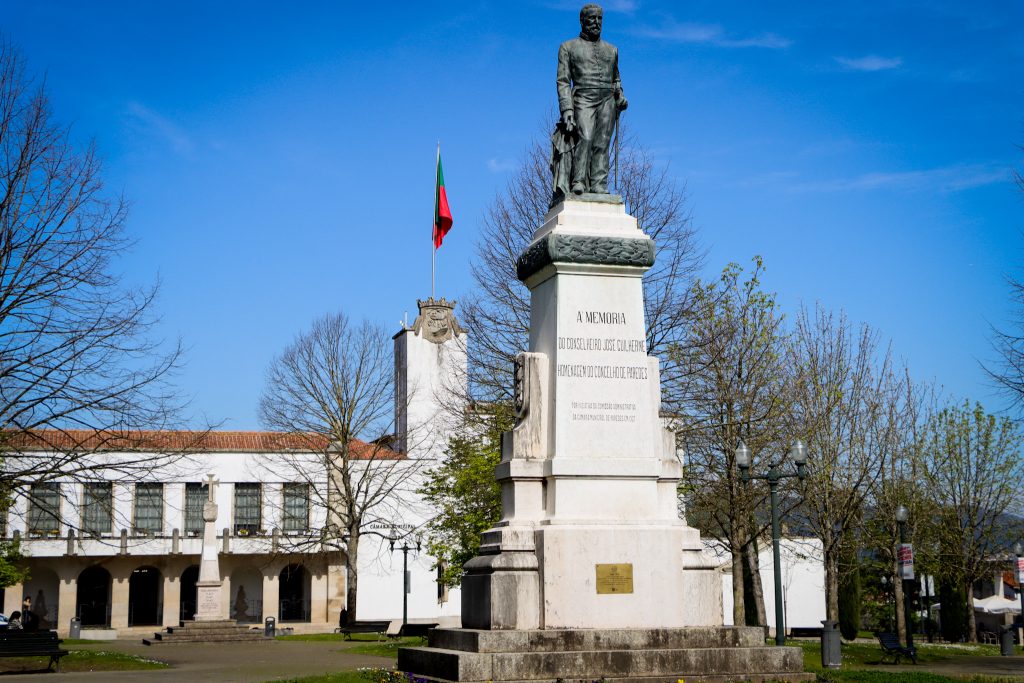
x=220 y=623
x=209 y=630
x=221 y=631
x=212 y=633
x=705 y=664
x=566 y=640
x=203 y=638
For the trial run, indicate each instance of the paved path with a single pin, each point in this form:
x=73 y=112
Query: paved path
x=245 y=662
x=282 y=660
x=966 y=666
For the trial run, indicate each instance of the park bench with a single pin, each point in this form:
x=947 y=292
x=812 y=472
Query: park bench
x=415 y=630
x=378 y=627
x=32 y=644
x=892 y=647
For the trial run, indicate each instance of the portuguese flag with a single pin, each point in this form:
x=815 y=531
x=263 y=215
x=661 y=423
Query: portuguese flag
x=442 y=214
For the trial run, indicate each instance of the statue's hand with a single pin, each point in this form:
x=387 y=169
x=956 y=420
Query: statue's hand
x=623 y=102
x=569 y=119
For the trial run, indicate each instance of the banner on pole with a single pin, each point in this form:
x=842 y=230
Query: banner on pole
x=1020 y=571
x=905 y=555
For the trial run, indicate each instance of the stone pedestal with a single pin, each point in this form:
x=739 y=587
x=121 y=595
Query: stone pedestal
x=589 y=474
x=591 y=572
x=696 y=654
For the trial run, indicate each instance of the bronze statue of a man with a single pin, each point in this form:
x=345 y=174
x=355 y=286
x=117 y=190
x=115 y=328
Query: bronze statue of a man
x=590 y=99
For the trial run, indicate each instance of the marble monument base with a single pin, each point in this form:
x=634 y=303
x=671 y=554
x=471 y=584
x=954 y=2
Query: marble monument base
x=208 y=594
x=708 y=654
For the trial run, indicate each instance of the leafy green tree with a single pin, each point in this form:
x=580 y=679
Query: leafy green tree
x=12 y=570
x=465 y=494
x=972 y=467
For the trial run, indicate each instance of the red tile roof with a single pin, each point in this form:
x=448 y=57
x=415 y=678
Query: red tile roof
x=190 y=441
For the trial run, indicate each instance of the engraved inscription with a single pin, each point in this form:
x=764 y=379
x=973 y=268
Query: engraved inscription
x=609 y=363
x=614 y=578
x=209 y=600
x=601 y=317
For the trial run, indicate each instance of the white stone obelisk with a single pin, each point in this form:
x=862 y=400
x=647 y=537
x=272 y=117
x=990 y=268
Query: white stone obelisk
x=591 y=536
x=208 y=587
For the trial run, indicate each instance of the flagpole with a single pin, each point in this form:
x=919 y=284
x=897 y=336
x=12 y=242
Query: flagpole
x=433 y=247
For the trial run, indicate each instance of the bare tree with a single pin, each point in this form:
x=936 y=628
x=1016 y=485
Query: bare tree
x=737 y=389
x=497 y=315
x=330 y=393
x=1008 y=371
x=77 y=367
x=851 y=406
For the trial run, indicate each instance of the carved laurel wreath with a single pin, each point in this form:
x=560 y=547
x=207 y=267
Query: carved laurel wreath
x=613 y=251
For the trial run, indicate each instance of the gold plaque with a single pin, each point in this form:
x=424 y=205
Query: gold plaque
x=614 y=578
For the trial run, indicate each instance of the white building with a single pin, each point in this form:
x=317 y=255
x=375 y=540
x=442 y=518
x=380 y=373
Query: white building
x=803 y=582
x=122 y=553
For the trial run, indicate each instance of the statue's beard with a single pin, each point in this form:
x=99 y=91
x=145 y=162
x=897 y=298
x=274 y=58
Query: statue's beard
x=591 y=35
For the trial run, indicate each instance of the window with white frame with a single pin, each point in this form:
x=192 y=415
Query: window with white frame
x=195 y=499
x=247 y=509
x=97 y=507
x=44 y=508
x=149 y=508
x=296 y=507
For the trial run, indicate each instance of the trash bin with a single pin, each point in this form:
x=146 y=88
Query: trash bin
x=76 y=628
x=269 y=627
x=1006 y=642
x=831 y=646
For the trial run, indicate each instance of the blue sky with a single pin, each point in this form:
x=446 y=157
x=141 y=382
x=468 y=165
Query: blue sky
x=280 y=158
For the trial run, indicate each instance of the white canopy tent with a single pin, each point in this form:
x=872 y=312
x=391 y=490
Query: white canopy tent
x=997 y=604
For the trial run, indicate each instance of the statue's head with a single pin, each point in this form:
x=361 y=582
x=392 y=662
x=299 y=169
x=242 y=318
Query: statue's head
x=590 y=21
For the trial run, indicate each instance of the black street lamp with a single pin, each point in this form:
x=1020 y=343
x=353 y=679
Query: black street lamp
x=406 y=589
x=1018 y=550
x=799 y=455
x=901 y=519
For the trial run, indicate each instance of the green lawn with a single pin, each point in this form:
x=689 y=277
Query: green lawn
x=361 y=676
x=83 y=660
x=860 y=658
x=361 y=643
x=859 y=655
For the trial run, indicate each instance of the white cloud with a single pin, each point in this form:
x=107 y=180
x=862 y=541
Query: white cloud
x=869 y=63
x=500 y=165
x=625 y=6
x=621 y=6
x=711 y=34
x=944 y=179
x=162 y=127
